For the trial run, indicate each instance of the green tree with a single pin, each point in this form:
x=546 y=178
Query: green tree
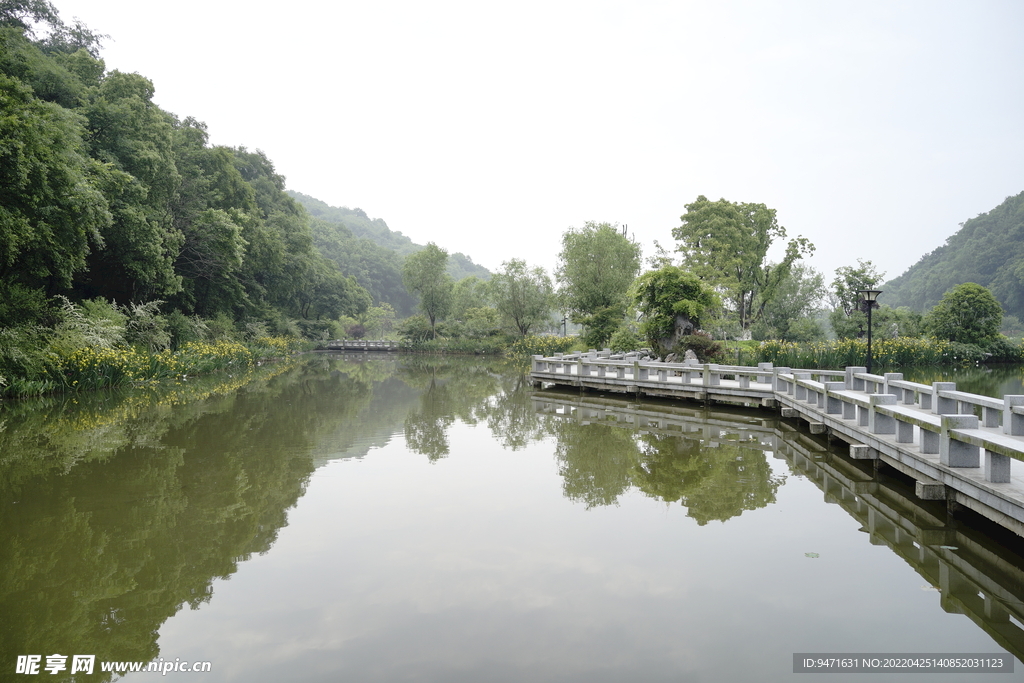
x=726 y=244
x=671 y=302
x=379 y=320
x=968 y=314
x=522 y=294
x=51 y=210
x=846 y=318
x=468 y=293
x=597 y=265
x=424 y=273
x=791 y=315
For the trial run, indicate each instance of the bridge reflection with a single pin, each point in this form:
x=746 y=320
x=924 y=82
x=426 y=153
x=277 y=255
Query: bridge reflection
x=974 y=571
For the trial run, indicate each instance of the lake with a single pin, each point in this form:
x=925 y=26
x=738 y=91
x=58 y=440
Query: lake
x=368 y=518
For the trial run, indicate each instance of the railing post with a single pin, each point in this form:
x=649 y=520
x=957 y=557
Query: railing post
x=877 y=422
x=953 y=453
x=943 y=406
x=997 y=467
x=780 y=385
x=852 y=382
x=833 y=405
x=891 y=377
x=769 y=368
x=800 y=392
x=929 y=441
x=1013 y=424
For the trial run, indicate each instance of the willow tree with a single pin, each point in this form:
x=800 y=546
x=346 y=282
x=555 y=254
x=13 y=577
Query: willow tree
x=424 y=273
x=597 y=265
x=726 y=244
x=522 y=294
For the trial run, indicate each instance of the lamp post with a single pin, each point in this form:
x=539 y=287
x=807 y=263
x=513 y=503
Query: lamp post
x=869 y=301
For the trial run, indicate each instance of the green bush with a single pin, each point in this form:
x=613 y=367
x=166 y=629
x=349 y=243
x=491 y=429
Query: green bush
x=624 y=339
x=707 y=349
x=415 y=329
x=539 y=345
x=1004 y=350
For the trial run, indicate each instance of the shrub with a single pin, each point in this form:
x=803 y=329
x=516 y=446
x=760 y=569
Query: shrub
x=183 y=329
x=357 y=331
x=145 y=326
x=707 y=349
x=534 y=345
x=624 y=339
x=415 y=329
x=1004 y=350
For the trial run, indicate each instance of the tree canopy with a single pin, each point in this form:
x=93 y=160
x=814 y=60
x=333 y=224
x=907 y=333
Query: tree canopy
x=104 y=194
x=726 y=244
x=968 y=314
x=522 y=294
x=670 y=302
x=424 y=273
x=597 y=265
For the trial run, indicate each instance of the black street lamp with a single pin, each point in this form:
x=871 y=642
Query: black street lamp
x=869 y=301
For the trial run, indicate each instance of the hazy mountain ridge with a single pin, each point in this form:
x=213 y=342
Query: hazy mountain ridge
x=377 y=231
x=987 y=250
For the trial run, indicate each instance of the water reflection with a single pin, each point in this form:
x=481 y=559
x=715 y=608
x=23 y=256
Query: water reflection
x=994 y=380
x=724 y=472
x=696 y=457
x=973 y=573
x=119 y=510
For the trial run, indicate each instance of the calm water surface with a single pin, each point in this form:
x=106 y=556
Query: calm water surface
x=437 y=520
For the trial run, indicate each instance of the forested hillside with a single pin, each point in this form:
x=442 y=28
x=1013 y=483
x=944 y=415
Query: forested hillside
x=104 y=194
x=375 y=230
x=987 y=250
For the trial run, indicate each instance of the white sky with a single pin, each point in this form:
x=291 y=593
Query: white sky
x=873 y=127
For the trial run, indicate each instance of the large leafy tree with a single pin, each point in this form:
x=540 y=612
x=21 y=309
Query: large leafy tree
x=726 y=244
x=671 y=303
x=424 y=273
x=597 y=265
x=968 y=314
x=846 y=318
x=790 y=316
x=523 y=295
x=51 y=209
x=134 y=137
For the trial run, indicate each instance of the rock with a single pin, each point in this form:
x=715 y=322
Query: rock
x=690 y=356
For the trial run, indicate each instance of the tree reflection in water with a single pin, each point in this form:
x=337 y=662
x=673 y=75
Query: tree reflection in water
x=599 y=462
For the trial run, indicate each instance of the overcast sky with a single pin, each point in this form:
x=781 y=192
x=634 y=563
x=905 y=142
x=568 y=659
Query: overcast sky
x=873 y=128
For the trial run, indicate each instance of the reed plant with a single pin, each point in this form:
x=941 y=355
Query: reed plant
x=71 y=369
x=887 y=353
x=533 y=345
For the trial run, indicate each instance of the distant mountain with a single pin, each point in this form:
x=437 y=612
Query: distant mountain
x=377 y=231
x=987 y=250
